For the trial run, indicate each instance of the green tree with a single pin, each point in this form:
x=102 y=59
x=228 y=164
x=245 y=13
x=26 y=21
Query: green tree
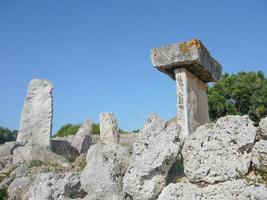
x=7 y=135
x=241 y=93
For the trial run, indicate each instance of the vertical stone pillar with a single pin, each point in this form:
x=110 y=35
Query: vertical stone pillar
x=192 y=67
x=36 y=117
x=108 y=128
x=192 y=101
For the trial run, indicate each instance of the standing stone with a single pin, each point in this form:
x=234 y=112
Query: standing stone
x=191 y=65
x=154 y=152
x=36 y=118
x=221 y=151
x=108 y=128
x=84 y=137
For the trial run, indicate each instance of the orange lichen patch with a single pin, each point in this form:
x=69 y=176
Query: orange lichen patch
x=184 y=47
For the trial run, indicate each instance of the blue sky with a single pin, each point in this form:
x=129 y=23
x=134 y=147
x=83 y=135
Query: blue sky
x=97 y=53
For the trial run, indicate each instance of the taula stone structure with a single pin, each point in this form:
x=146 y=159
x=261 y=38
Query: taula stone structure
x=108 y=128
x=191 y=65
x=36 y=118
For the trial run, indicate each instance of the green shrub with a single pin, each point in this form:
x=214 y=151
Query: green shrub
x=96 y=129
x=244 y=93
x=7 y=135
x=36 y=163
x=68 y=129
x=4 y=193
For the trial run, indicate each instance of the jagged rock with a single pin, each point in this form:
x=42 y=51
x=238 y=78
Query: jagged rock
x=259 y=154
x=221 y=151
x=36 y=118
x=55 y=186
x=28 y=153
x=263 y=127
x=17 y=187
x=6 y=151
x=102 y=175
x=155 y=150
x=63 y=147
x=108 y=128
x=229 y=190
x=83 y=138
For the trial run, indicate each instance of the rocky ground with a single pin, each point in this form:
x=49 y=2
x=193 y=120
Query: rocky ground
x=222 y=160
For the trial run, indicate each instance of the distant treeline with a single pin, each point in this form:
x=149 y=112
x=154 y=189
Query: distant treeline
x=7 y=135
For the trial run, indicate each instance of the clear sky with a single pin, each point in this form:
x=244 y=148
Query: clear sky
x=97 y=53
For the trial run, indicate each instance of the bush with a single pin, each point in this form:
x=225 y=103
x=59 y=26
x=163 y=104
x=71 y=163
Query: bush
x=244 y=93
x=68 y=129
x=4 y=193
x=96 y=129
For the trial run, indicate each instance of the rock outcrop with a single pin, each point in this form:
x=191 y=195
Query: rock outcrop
x=263 y=127
x=36 y=118
x=103 y=173
x=259 y=154
x=108 y=128
x=155 y=150
x=229 y=190
x=84 y=137
x=221 y=151
x=55 y=186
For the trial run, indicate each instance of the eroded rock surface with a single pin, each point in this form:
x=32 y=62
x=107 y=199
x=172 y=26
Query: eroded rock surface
x=221 y=151
x=263 y=127
x=229 y=190
x=83 y=138
x=28 y=153
x=102 y=175
x=36 y=118
x=108 y=128
x=55 y=186
x=259 y=154
x=155 y=150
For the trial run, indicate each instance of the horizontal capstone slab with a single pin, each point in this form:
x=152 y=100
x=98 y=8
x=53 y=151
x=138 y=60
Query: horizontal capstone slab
x=191 y=55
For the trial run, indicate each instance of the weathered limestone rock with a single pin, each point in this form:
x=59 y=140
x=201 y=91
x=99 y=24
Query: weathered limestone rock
x=63 y=147
x=17 y=187
x=83 y=138
x=229 y=190
x=108 y=128
x=28 y=153
x=21 y=171
x=55 y=186
x=102 y=175
x=36 y=118
x=6 y=149
x=191 y=65
x=259 y=154
x=221 y=151
x=155 y=150
x=263 y=127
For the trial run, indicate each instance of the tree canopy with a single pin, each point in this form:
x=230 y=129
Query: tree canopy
x=7 y=135
x=241 y=93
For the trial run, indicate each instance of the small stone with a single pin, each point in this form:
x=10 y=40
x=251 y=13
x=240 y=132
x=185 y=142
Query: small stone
x=83 y=138
x=36 y=118
x=154 y=152
x=108 y=128
x=221 y=151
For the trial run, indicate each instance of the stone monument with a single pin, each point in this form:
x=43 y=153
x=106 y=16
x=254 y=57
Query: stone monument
x=108 y=128
x=191 y=65
x=36 y=117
